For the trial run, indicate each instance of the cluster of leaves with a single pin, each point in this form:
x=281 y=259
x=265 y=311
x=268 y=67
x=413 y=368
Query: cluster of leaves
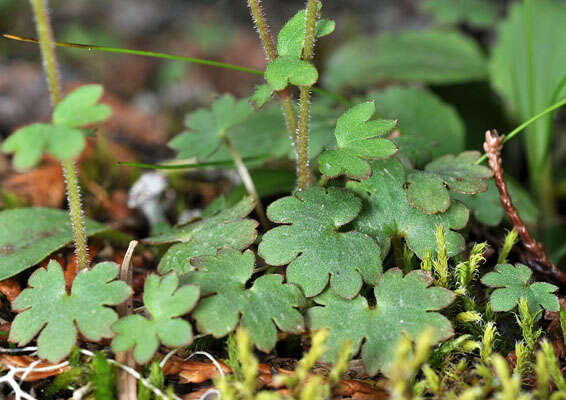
x=328 y=257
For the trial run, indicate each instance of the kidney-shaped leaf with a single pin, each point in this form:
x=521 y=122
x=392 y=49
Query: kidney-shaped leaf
x=403 y=305
x=427 y=190
x=357 y=141
x=313 y=246
x=513 y=284
x=387 y=213
x=165 y=302
x=267 y=304
x=227 y=228
x=45 y=306
x=28 y=235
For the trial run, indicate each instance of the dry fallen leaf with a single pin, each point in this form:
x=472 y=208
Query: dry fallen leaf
x=43 y=186
x=10 y=288
x=25 y=361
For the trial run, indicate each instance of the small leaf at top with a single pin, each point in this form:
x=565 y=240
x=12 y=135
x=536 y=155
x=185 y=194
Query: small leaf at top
x=387 y=213
x=262 y=95
x=28 y=235
x=284 y=70
x=403 y=305
x=291 y=38
x=80 y=108
x=512 y=284
x=165 y=301
x=227 y=228
x=427 y=190
x=267 y=305
x=357 y=141
x=47 y=309
x=315 y=249
x=208 y=127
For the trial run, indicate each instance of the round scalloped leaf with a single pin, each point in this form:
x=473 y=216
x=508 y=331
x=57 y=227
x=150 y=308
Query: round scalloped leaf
x=404 y=305
x=227 y=228
x=47 y=309
x=165 y=301
x=388 y=214
x=312 y=246
x=267 y=305
x=512 y=284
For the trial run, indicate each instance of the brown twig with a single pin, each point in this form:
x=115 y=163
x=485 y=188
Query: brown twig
x=492 y=146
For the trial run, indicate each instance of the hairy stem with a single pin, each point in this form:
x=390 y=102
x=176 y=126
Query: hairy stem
x=247 y=180
x=303 y=168
x=47 y=46
x=284 y=95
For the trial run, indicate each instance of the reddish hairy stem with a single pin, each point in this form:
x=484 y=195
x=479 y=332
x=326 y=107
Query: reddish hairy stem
x=492 y=146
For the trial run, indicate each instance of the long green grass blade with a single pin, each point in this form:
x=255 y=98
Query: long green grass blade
x=167 y=56
x=527 y=123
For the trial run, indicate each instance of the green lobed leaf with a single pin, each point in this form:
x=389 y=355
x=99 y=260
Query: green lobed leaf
x=312 y=246
x=28 y=235
x=414 y=109
x=512 y=283
x=291 y=38
x=387 y=213
x=208 y=127
x=80 y=107
x=165 y=301
x=262 y=95
x=357 y=142
x=428 y=55
x=403 y=306
x=227 y=228
x=427 y=190
x=29 y=143
x=476 y=13
x=47 y=309
x=267 y=305
x=287 y=69
x=509 y=68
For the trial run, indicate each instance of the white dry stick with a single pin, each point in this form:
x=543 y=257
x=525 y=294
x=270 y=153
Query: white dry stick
x=10 y=377
x=127 y=385
x=137 y=375
x=209 y=356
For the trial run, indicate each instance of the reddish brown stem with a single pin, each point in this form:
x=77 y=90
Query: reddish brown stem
x=492 y=146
